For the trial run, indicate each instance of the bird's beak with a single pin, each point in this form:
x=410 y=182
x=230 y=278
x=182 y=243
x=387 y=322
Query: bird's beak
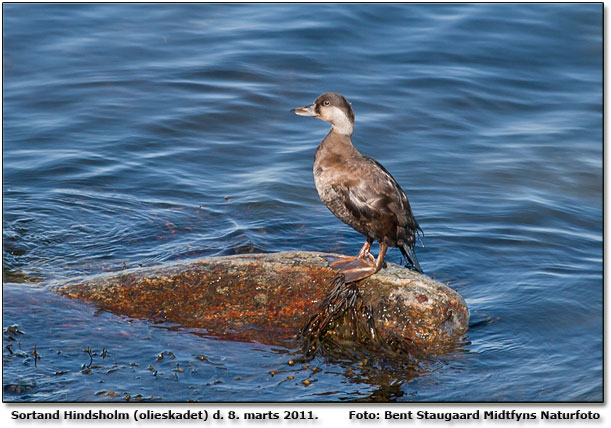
x=305 y=111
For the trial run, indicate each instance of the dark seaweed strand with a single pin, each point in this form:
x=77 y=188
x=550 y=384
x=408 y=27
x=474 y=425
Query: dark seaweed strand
x=335 y=304
x=344 y=301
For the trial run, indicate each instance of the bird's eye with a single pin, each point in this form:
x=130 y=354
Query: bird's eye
x=326 y=103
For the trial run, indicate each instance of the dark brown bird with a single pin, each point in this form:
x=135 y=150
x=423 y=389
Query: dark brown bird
x=359 y=191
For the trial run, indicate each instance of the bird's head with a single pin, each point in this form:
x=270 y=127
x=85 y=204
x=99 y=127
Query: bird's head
x=333 y=108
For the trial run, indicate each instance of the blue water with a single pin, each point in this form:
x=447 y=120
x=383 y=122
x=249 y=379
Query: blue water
x=135 y=134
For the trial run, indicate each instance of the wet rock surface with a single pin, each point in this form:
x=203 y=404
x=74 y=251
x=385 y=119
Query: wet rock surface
x=269 y=298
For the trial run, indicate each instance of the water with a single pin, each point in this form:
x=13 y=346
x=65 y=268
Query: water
x=137 y=134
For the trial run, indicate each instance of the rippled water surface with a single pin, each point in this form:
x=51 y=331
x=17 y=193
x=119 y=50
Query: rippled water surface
x=136 y=134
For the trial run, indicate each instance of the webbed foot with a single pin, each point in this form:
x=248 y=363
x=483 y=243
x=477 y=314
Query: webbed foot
x=354 y=268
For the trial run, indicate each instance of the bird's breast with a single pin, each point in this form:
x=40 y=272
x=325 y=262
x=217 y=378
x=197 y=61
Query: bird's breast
x=324 y=179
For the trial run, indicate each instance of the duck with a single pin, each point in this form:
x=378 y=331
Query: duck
x=359 y=191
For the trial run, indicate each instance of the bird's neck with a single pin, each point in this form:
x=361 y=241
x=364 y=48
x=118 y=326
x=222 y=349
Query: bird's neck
x=337 y=143
x=343 y=127
x=342 y=120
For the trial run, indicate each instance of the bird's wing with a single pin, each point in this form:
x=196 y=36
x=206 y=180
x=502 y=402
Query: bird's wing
x=405 y=217
x=376 y=197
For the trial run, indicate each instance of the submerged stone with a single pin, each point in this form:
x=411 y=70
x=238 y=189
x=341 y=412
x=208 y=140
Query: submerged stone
x=269 y=298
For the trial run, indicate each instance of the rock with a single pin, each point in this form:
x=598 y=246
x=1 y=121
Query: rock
x=269 y=298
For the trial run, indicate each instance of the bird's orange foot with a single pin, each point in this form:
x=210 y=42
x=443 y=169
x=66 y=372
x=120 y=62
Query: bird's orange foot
x=358 y=273
x=354 y=268
x=367 y=255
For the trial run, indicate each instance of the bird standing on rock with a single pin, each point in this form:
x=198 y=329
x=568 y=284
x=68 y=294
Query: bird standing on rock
x=359 y=191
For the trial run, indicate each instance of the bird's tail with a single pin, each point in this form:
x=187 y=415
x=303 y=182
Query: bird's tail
x=409 y=253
